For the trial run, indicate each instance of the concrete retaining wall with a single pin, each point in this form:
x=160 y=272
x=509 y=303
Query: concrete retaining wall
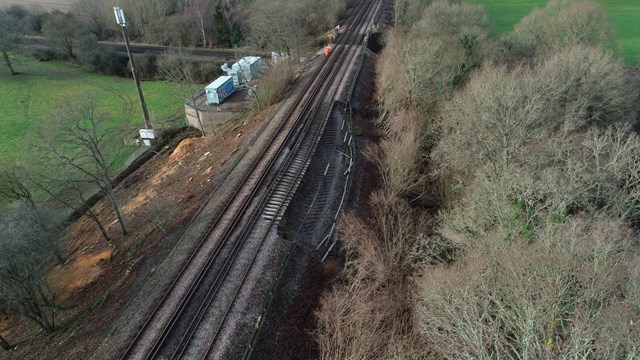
x=210 y=118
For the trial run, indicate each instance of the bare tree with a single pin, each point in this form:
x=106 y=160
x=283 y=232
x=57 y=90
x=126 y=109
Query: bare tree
x=176 y=66
x=200 y=11
x=398 y=158
x=279 y=25
x=566 y=295
x=408 y=12
x=26 y=245
x=148 y=17
x=97 y=16
x=62 y=29
x=436 y=55
x=14 y=184
x=77 y=148
x=71 y=193
x=10 y=32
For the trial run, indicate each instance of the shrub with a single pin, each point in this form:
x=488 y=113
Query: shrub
x=43 y=54
x=371 y=317
x=207 y=71
x=193 y=71
x=107 y=62
x=398 y=158
x=147 y=66
x=561 y=24
x=273 y=85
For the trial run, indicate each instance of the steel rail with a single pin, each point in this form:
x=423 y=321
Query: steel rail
x=257 y=214
x=322 y=73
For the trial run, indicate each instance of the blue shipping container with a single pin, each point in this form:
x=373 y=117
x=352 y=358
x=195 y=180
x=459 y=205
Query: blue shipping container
x=219 y=90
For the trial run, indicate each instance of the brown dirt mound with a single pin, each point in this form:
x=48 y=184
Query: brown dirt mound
x=186 y=146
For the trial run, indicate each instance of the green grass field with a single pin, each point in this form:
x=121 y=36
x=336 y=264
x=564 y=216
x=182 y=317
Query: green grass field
x=29 y=100
x=624 y=13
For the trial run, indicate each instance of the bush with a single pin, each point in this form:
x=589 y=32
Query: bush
x=30 y=19
x=43 y=54
x=191 y=71
x=207 y=72
x=107 y=62
x=371 y=316
x=561 y=24
x=147 y=66
x=273 y=85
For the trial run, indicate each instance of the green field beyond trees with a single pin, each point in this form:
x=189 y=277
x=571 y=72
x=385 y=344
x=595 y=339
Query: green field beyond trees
x=624 y=13
x=29 y=100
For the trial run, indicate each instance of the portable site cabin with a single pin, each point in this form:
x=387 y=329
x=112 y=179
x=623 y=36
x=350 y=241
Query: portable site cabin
x=244 y=70
x=219 y=90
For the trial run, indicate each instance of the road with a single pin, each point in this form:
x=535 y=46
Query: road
x=222 y=55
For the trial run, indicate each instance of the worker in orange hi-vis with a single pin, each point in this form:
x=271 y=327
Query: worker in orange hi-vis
x=327 y=49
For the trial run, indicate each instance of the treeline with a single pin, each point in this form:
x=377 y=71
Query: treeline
x=277 y=25
x=507 y=223
x=72 y=40
x=189 y=23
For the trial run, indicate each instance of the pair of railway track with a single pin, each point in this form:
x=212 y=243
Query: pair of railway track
x=188 y=320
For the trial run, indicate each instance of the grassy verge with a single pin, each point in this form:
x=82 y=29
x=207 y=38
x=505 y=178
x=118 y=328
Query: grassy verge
x=624 y=13
x=29 y=100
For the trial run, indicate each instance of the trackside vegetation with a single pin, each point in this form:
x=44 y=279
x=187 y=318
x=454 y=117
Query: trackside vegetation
x=507 y=222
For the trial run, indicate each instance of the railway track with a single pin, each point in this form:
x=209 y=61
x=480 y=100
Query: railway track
x=191 y=316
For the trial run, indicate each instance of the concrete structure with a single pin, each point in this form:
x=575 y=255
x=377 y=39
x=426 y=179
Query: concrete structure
x=210 y=118
x=219 y=90
x=214 y=115
x=244 y=70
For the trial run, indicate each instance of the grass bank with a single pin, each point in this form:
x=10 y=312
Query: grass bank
x=29 y=99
